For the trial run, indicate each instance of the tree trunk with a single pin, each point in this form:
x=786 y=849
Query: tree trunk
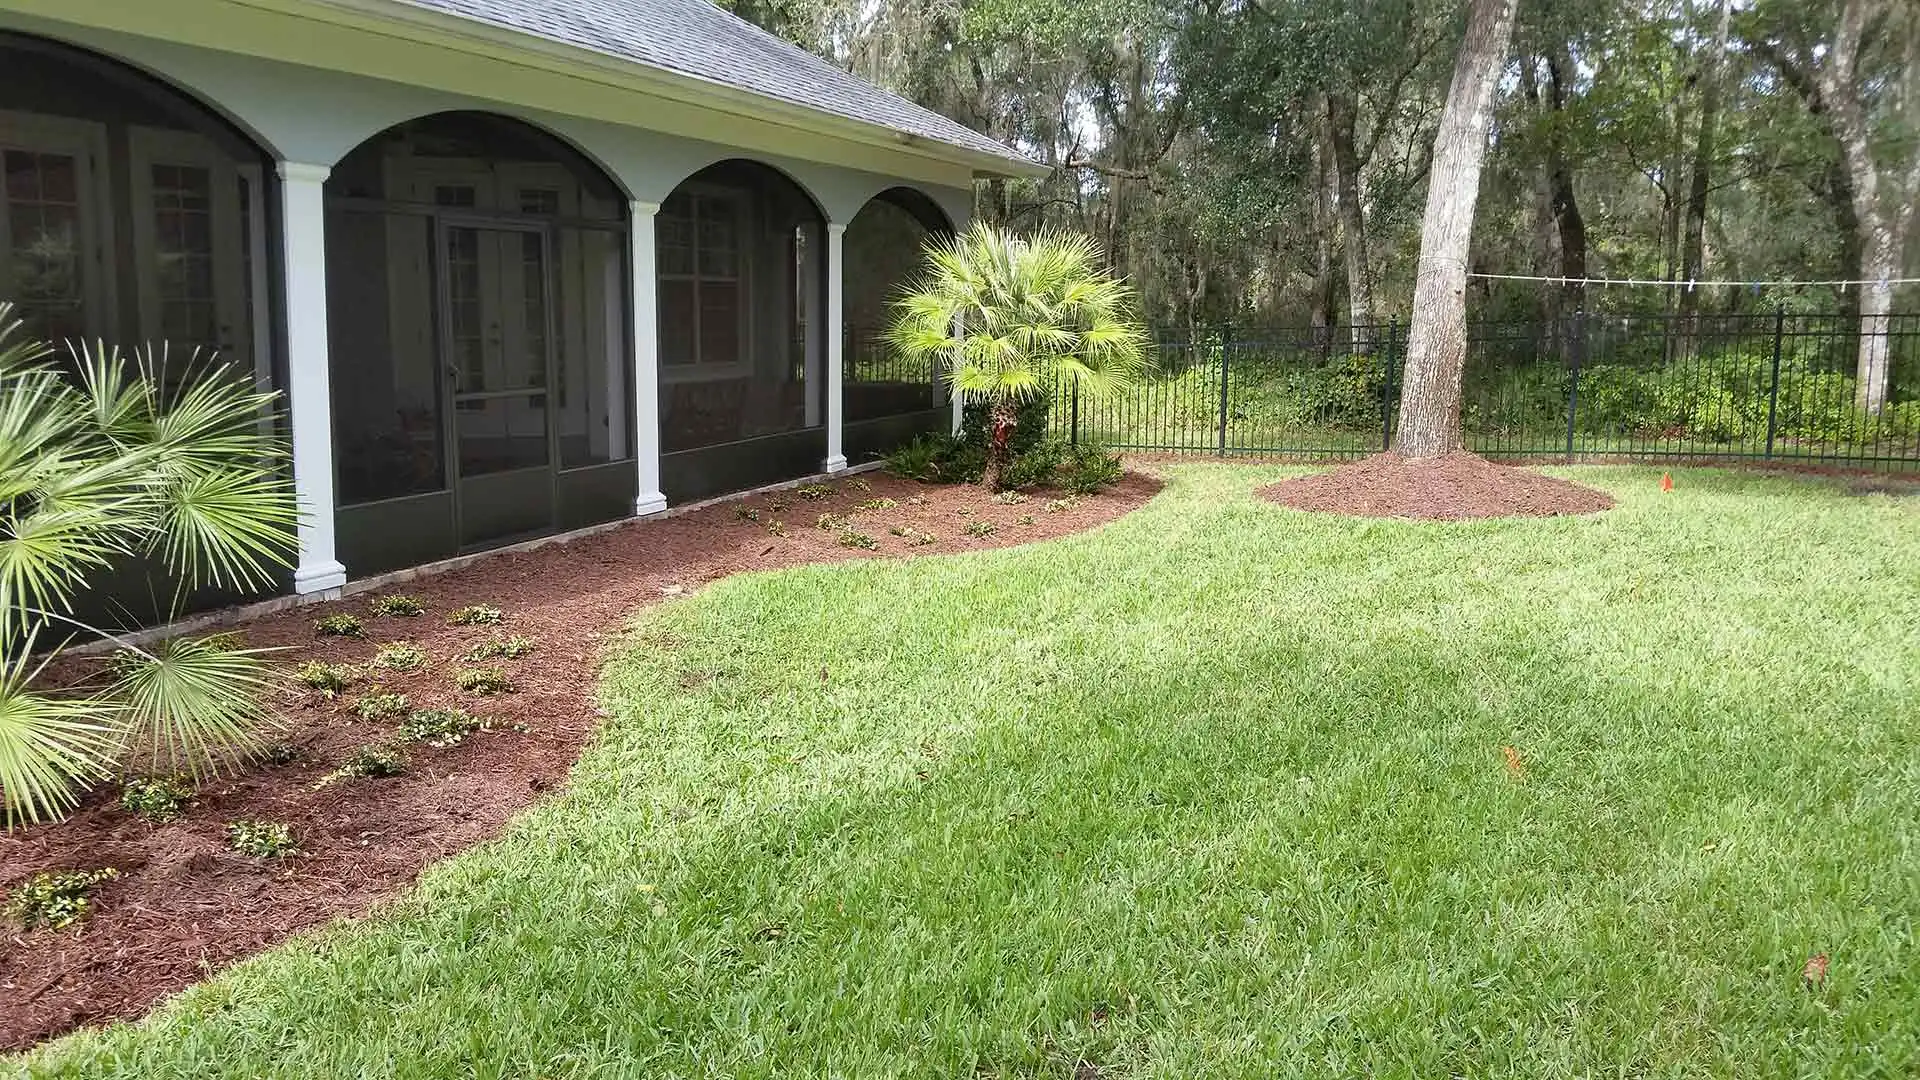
x=1002 y=417
x=1566 y=207
x=1694 y=241
x=1322 y=301
x=1883 y=206
x=1353 y=221
x=1437 y=335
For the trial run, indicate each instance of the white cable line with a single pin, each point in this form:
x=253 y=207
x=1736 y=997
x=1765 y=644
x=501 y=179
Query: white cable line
x=1686 y=284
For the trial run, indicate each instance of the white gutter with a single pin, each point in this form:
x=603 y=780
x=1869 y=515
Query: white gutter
x=483 y=39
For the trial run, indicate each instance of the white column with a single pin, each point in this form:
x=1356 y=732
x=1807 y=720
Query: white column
x=836 y=347
x=647 y=498
x=309 y=397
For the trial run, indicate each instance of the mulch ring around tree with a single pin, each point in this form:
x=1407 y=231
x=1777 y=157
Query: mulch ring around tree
x=1456 y=486
x=186 y=905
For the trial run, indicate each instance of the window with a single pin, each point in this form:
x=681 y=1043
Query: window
x=702 y=283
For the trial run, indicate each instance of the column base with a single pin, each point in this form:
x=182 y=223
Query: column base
x=319 y=577
x=836 y=464
x=649 y=502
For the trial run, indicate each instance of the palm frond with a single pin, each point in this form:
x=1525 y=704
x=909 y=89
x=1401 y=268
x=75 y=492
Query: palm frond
x=190 y=705
x=49 y=746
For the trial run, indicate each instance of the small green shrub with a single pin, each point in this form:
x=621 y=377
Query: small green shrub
x=775 y=504
x=373 y=761
x=1034 y=468
x=55 y=899
x=400 y=656
x=746 y=513
x=913 y=537
x=438 y=727
x=327 y=678
x=381 y=706
x=814 y=492
x=1055 y=506
x=916 y=500
x=475 y=615
x=1089 y=468
x=877 y=504
x=1010 y=498
x=339 y=624
x=776 y=528
x=852 y=539
x=938 y=459
x=484 y=681
x=261 y=839
x=1025 y=519
x=830 y=522
x=397 y=605
x=982 y=529
x=280 y=754
x=158 y=799
x=230 y=641
x=512 y=648
x=857 y=484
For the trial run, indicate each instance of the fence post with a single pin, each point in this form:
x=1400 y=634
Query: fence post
x=1573 y=383
x=1386 y=385
x=1226 y=351
x=1773 y=388
x=1073 y=434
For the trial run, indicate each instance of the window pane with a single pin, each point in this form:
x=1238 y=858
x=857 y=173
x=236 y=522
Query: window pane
x=593 y=355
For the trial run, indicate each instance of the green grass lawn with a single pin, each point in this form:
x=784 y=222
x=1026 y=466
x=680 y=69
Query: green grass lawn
x=1216 y=791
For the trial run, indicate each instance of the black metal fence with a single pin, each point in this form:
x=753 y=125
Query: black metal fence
x=1772 y=386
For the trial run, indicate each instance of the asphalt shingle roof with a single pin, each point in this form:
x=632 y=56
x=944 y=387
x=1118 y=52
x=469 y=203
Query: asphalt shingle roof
x=694 y=37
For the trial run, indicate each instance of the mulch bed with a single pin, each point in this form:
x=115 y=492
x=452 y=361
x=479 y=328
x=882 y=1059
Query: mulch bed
x=185 y=905
x=1454 y=487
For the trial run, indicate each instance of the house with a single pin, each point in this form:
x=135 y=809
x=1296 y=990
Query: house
x=519 y=266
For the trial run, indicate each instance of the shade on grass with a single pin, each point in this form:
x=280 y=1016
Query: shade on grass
x=1216 y=791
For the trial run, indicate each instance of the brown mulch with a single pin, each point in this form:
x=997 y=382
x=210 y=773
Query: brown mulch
x=185 y=905
x=1454 y=487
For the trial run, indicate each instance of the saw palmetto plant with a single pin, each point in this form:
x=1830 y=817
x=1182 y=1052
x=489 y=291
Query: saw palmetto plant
x=110 y=460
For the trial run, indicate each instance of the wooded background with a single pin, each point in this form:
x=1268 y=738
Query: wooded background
x=1264 y=162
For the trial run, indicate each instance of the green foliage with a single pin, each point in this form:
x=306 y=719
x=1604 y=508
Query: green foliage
x=397 y=604
x=852 y=539
x=775 y=504
x=877 y=504
x=1055 y=506
x=106 y=459
x=261 y=839
x=814 y=492
x=1089 y=468
x=55 y=899
x=400 y=656
x=914 y=537
x=339 y=624
x=158 y=799
x=830 y=522
x=484 y=681
x=439 y=727
x=374 y=761
x=475 y=615
x=1033 y=467
x=856 y=484
x=380 y=706
x=746 y=513
x=1009 y=318
x=939 y=459
x=327 y=678
x=776 y=528
x=511 y=648
x=1010 y=498
x=982 y=529
x=280 y=754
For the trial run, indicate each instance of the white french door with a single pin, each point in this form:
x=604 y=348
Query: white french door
x=191 y=245
x=55 y=225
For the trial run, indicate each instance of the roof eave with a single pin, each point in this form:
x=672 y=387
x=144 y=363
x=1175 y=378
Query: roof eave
x=457 y=31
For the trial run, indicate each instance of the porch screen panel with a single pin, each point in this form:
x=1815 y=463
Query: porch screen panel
x=741 y=257
x=385 y=373
x=885 y=251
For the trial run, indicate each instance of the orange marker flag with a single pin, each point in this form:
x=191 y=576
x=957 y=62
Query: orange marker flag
x=1666 y=481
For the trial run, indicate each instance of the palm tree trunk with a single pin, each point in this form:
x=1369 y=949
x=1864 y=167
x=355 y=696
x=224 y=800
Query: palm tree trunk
x=1002 y=418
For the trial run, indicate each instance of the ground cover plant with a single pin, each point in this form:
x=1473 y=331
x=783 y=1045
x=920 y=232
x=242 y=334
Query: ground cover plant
x=1295 y=795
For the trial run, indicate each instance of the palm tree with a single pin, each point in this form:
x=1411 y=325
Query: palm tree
x=105 y=460
x=1009 y=317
